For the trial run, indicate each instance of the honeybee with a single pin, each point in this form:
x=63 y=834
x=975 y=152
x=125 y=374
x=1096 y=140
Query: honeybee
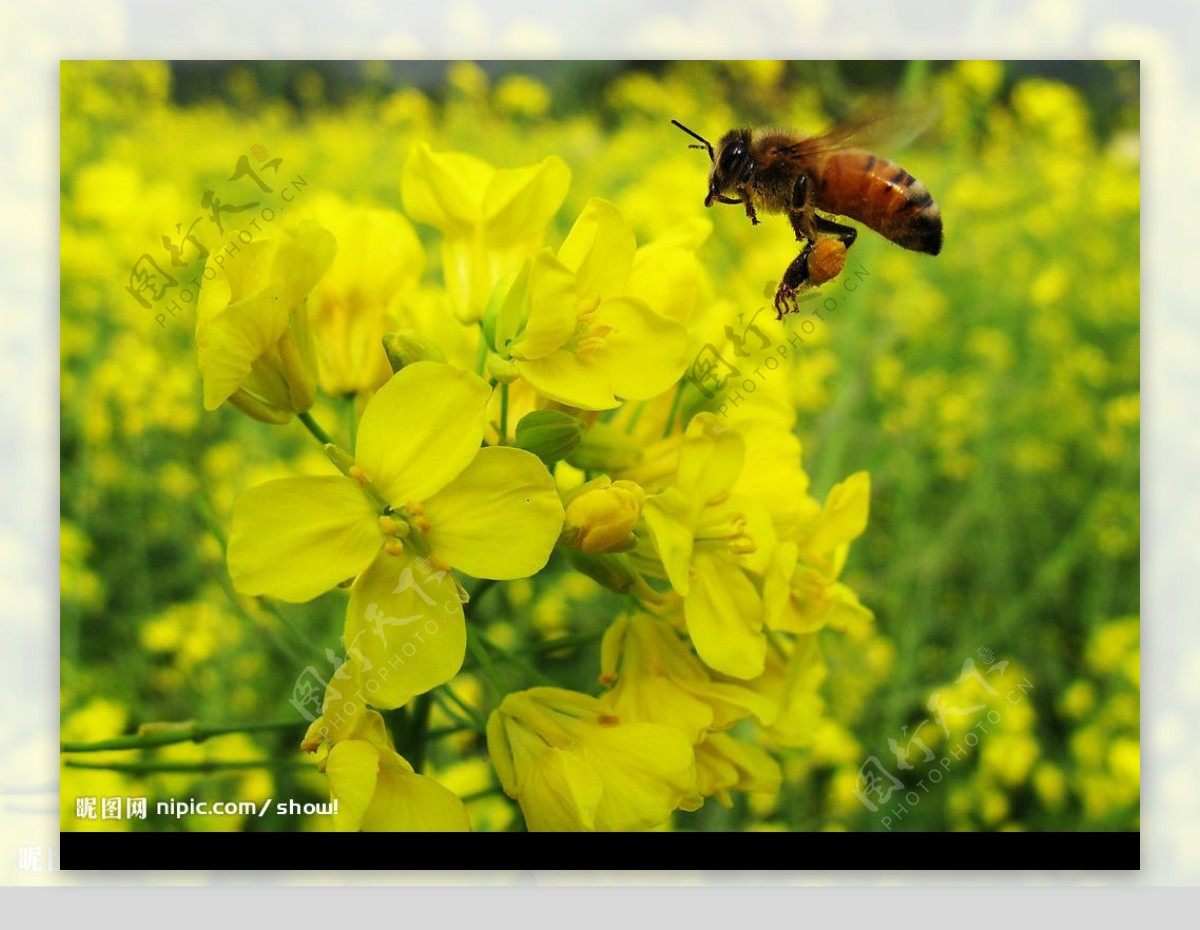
x=776 y=171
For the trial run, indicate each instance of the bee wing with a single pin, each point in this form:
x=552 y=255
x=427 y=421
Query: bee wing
x=878 y=128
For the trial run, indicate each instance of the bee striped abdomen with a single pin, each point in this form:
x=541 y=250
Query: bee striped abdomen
x=882 y=195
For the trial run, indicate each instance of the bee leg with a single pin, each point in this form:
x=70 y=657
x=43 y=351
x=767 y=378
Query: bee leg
x=744 y=199
x=794 y=279
x=802 y=214
x=847 y=234
x=750 y=213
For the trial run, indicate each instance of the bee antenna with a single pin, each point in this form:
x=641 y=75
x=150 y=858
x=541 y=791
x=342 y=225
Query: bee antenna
x=707 y=145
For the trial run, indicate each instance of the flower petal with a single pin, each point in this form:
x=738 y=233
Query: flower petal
x=301 y=257
x=599 y=249
x=576 y=381
x=654 y=699
x=759 y=529
x=724 y=617
x=671 y=517
x=246 y=310
x=644 y=353
x=353 y=770
x=500 y=518
x=561 y=793
x=668 y=278
x=229 y=341
x=844 y=516
x=724 y=763
x=445 y=189
x=711 y=458
x=555 y=789
x=552 y=308
x=234 y=282
x=405 y=802
x=471 y=272
x=421 y=429
x=405 y=627
x=777 y=586
x=519 y=202
x=647 y=771
x=295 y=538
x=379 y=257
x=846 y=612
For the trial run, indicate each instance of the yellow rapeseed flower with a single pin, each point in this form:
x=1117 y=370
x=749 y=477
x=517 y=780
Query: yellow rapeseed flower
x=801 y=590
x=420 y=486
x=252 y=335
x=572 y=764
x=725 y=764
x=711 y=542
x=572 y=328
x=376 y=789
x=656 y=678
x=379 y=258
x=490 y=218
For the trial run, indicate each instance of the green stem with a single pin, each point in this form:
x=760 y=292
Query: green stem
x=416 y=731
x=209 y=518
x=774 y=643
x=480 y=590
x=315 y=428
x=643 y=592
x=484 y=660
x=504 y=413
x=512 y=659
x=674 y=409
x=164 y=765
x=235 y=599
x=183 y=733
x=481 y=353
x=481 y=648
x=269 y=607
x=353 y=417
x=474 y=717
x=632 y=423
x=479 y=795
x=566 y=642
x=440 y=732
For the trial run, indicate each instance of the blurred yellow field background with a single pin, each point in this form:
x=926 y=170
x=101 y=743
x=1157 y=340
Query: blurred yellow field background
x=991 y=393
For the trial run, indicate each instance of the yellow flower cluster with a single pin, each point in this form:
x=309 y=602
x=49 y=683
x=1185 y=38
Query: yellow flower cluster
x=711 y=553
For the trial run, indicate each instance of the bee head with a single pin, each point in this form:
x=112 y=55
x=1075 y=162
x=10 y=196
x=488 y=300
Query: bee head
x=732 y=165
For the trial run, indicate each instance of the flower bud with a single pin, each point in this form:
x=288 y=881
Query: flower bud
x=606 y=448
x=601 y=516
x=610 y=569
x=502 y=370
x=549 y=434
x=405 y=347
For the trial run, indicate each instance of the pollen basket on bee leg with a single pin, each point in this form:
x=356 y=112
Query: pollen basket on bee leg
x=826 y=261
